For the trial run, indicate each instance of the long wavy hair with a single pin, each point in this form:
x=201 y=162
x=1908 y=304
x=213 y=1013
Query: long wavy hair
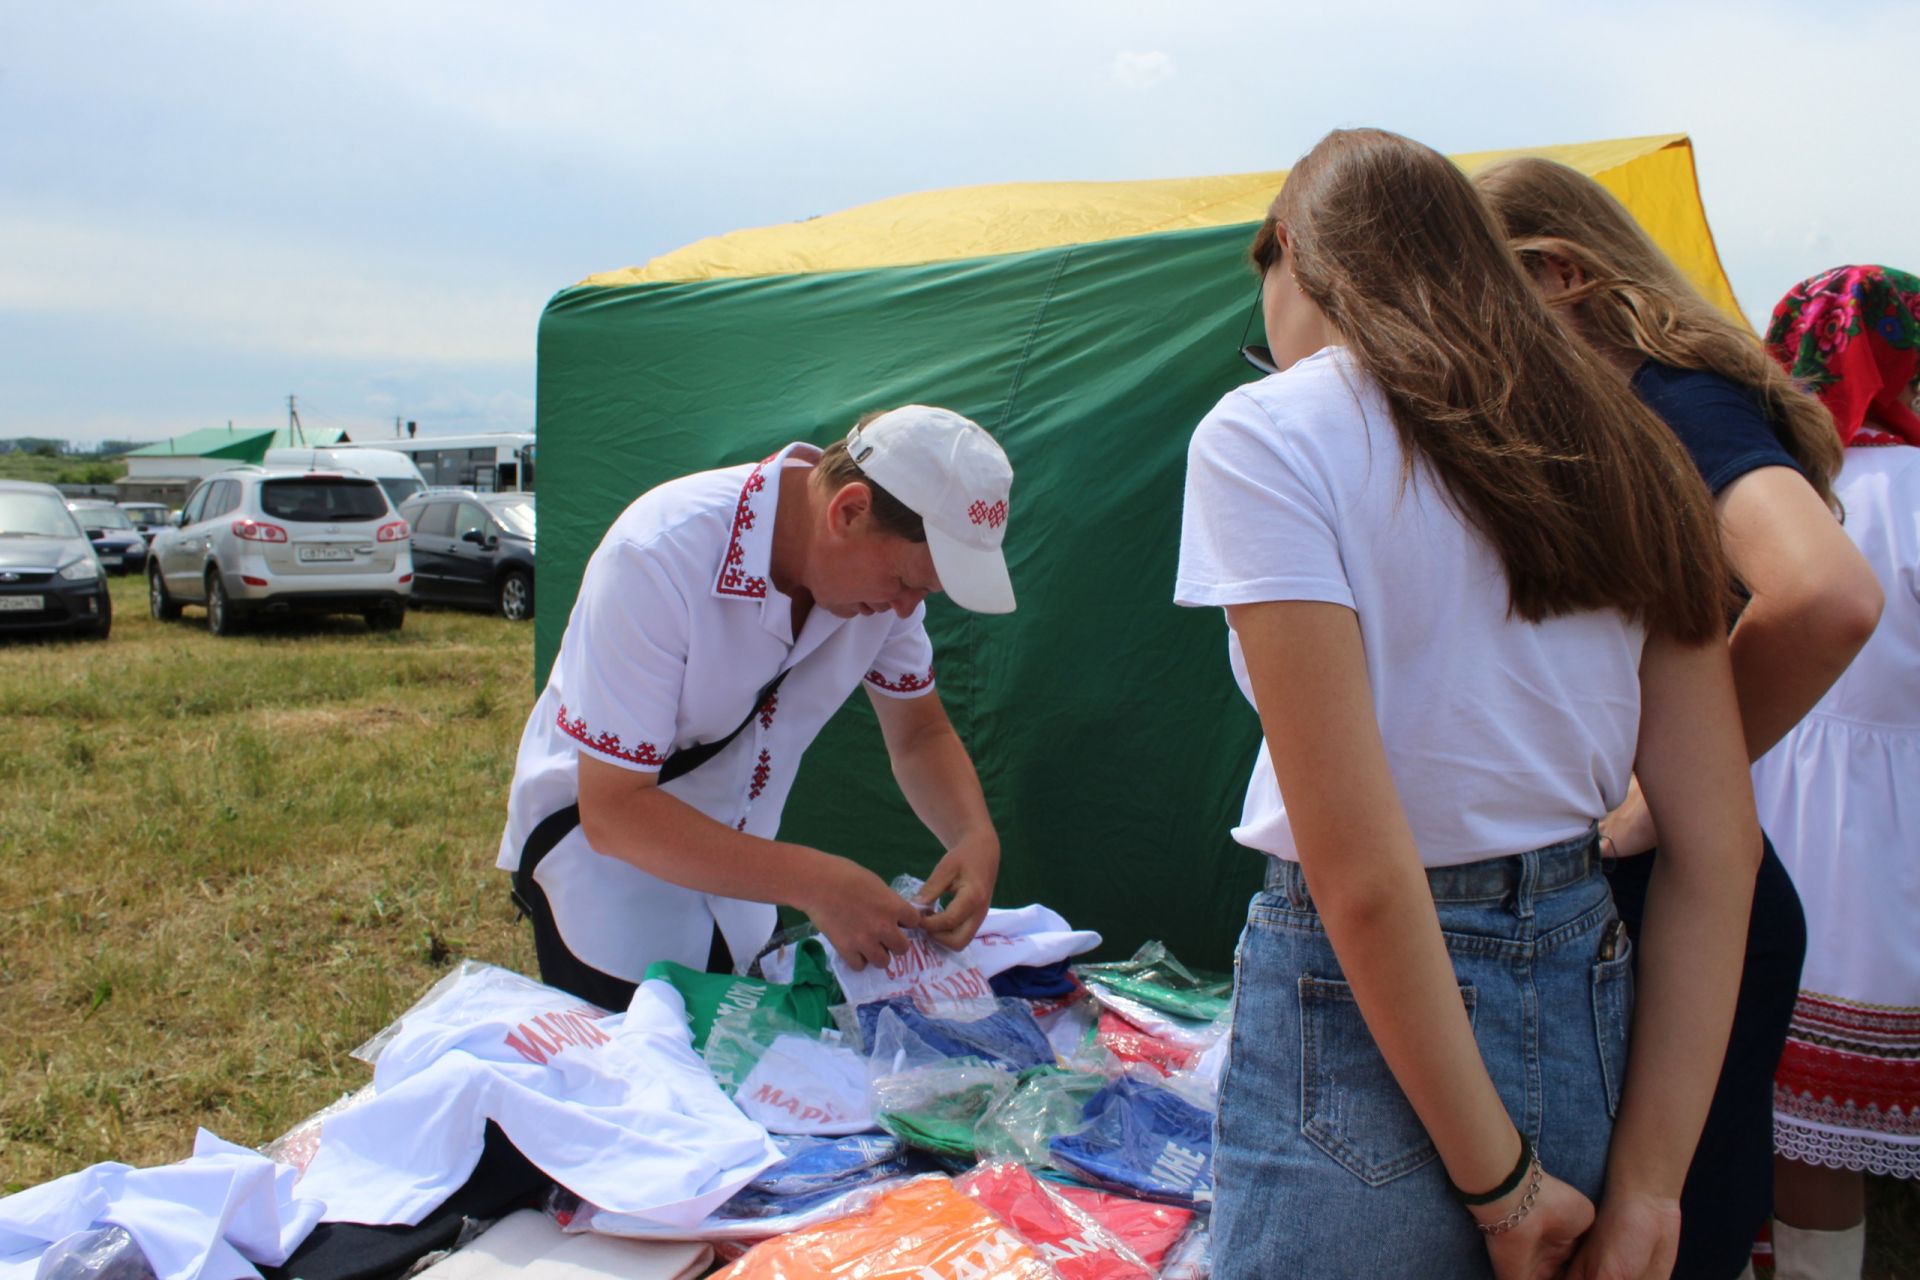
x=1586 y=497
x=1634 y=300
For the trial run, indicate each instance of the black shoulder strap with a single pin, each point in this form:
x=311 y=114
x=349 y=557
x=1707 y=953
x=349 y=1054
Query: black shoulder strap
x=686 y=761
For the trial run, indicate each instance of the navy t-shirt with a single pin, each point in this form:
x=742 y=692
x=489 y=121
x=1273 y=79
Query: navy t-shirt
x=1726 y=433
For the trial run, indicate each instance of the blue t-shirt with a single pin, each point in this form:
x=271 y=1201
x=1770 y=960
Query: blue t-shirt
x=1726 y=433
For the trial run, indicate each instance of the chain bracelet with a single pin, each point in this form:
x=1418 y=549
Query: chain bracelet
x=1514 y=1219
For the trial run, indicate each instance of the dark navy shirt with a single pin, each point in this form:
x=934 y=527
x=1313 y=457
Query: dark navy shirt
x=1720 y=424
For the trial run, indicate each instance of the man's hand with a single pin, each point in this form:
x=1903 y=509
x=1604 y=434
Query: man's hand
x=1628 y=831
x=1540 y=1244
x=858 y=913
x=1635 y=1238
x=967 y=874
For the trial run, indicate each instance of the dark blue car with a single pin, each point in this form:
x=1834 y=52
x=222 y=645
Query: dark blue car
x=50 y=576
x=122 y=548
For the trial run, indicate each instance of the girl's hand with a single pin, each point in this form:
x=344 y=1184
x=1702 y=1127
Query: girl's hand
x=1635 y=1238
x=1539 y=1247
x=1628 y=831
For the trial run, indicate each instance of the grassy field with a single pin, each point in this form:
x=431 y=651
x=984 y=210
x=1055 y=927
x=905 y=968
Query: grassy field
x=229 y=862
x=26 y=466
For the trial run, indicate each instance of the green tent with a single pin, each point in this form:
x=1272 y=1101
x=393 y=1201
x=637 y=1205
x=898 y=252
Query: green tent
x=1088 y=326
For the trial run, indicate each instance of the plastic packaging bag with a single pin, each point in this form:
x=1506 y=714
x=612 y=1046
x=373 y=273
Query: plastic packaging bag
x=1046 y=1104
x=936 y=1108
x=708 y=995
x=786 y=1077
x=1144 y=1140
x=101 y=1253
x=1129 y=1043
x=922 y=1228
x=1070 y=1240
x=998 y=1031
x=1148 y=1228
x=1154 y=978
x=1192 y=1258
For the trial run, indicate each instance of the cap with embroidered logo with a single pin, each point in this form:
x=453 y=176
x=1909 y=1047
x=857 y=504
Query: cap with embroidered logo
x=951 y=473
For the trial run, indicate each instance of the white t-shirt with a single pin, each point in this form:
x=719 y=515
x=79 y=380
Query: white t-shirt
x=1502 y=735
x=677 y=626
x=617 y=1108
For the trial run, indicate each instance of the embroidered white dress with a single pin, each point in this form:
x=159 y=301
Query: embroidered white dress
x=676 y=628
x=1840 y=795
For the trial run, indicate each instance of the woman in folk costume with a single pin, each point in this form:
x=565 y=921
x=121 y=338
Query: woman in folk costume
x=1842 y=793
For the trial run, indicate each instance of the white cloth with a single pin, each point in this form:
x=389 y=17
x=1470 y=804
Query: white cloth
x=808 y=1086
x=934 y=976
x=677 y=626
x=616 y=1108
x=1503 y=736
x=529 y=1245
x=210 y=1217
x=1840 y=796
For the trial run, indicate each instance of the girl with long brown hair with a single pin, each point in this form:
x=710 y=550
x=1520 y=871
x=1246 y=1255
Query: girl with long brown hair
x=1768 y=452
x=1464 y=582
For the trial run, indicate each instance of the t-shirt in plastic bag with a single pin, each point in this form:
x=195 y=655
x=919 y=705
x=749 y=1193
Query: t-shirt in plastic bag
x=936 y=1108
x=924 y=1229
x=1044 y=1105
x=1001 y=1032
x=1149 y=1229
x=1070 y=1240
x=1154 y=978
x=1144 y=1140
x=1130 y=1044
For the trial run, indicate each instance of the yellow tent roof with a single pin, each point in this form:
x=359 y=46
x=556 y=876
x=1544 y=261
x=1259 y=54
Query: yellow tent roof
x=1653 y=176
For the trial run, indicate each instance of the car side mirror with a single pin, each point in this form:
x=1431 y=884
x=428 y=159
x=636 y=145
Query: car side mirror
x=178 y=519
x=475 y=536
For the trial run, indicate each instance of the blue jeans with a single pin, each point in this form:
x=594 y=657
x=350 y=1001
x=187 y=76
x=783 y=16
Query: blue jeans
x=1321 y=1168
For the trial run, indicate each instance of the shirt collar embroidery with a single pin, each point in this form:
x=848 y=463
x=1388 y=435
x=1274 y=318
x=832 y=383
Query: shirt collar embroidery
x=747 y=564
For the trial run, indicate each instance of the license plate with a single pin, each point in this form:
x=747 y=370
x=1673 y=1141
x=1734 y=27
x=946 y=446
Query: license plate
x=109 y=558
x=311 y=554
x=22 y=604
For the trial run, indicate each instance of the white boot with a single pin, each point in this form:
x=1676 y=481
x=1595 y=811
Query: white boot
x=1818 y=1255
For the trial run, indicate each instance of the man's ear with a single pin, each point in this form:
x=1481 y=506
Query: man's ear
x=849 y=507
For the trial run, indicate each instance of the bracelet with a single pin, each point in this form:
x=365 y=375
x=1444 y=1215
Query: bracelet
x=1506 y=1186
x=1514 y=1219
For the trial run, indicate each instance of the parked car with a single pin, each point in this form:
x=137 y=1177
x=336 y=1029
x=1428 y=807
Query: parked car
x=50 y=576
x=121 y=547
x=472 y=548
x=148 y=517
x=258 y=540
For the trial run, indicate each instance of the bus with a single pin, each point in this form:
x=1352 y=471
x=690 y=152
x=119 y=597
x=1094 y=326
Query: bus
x=491 y=462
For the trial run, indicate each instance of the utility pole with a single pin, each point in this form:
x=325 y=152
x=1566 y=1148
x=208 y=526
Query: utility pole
x=295 y=434
x=396 y=426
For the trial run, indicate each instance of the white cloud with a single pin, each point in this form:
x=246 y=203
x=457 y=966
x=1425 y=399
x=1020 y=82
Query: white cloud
x=1142 y=70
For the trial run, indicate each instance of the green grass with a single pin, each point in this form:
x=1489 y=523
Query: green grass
x=26 y=466
x=231 y=861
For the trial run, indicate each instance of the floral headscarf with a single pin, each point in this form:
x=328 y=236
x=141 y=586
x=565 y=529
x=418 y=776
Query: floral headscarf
x=1852 y=337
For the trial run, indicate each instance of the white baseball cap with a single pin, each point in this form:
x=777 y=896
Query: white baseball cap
x=948 y=471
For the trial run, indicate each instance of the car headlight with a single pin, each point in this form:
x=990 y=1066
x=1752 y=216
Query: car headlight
x=82 y=570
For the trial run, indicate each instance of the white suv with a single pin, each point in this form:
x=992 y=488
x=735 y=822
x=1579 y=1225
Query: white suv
x=256 y=540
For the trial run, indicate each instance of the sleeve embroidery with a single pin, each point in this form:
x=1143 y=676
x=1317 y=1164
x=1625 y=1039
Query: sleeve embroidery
x=906 y=684
x=609 y=743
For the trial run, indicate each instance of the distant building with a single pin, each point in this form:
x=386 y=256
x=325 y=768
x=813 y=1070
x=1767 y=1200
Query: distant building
x=168 y=471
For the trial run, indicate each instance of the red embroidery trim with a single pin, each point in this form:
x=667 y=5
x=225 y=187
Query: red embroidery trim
x=992 y=516
x=733 y=580
x=767 y=708
x=608 y=743
x=761 y=772
x=906 y=683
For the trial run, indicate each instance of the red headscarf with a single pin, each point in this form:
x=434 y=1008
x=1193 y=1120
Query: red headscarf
x=1852 y=337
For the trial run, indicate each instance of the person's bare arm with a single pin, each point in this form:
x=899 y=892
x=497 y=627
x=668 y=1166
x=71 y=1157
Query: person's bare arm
x=1308 y=670
x=624 y=814
x=1693 y=769
x=1814 y=602
x=937 y=777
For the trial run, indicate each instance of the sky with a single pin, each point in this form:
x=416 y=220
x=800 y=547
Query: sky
x=209 y=205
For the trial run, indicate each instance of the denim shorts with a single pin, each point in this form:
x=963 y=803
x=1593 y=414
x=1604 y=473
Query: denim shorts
x=1321 y=1168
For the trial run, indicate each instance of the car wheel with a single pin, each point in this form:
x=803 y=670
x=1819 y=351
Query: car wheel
x=516 y=596
x=387 y=618
x=223 y=619
x=162 y=606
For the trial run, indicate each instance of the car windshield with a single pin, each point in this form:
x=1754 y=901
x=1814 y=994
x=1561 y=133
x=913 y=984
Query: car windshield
x=91 y=518
x=322 y=501
x=35 y=514
x=516 y=517
x=146 y=513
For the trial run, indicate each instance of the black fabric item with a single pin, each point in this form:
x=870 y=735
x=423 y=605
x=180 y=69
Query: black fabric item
x=503 y=1181
x=1729 y=1188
